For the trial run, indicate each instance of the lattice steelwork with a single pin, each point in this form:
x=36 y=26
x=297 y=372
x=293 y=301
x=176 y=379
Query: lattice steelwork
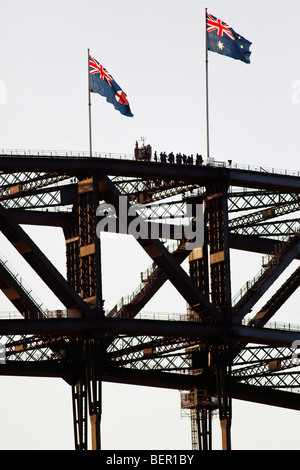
x=208 y=353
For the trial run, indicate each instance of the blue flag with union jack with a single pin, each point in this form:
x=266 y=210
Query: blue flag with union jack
x=102 y=82
x=221 y=38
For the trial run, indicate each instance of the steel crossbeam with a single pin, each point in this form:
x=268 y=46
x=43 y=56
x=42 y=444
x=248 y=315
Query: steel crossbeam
x=248 y=199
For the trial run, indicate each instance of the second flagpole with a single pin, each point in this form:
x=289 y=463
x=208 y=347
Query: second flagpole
x=206 y=90
x=89 y=106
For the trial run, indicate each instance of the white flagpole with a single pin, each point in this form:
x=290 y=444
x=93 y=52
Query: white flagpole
x=89 y=106
x=206 y=88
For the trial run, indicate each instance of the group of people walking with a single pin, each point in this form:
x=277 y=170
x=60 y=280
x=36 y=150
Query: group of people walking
x=145 y=153
x=178 y=158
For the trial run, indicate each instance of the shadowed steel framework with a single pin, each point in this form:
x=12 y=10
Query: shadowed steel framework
x=210 y=354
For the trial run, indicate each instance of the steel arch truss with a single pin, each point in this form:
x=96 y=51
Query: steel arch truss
x=208 y=353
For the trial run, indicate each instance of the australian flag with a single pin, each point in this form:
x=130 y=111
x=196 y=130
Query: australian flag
x=102 y=82
x=221 y=38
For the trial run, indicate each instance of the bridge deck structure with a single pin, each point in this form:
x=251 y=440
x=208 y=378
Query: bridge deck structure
x=222 y=348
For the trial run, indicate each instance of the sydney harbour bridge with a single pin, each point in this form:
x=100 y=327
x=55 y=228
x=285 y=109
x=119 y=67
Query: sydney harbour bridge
x=221 y=350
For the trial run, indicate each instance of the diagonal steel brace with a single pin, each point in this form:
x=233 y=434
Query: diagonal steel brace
x=162 y=257
x=40 y=263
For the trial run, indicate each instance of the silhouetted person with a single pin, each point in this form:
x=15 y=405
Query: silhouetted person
x=179 y=158
x=199 y=159
x=171 y=157
x=163 y=157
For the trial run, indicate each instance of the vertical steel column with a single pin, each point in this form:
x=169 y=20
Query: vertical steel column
x=72 y=255
x=218 y=287
x=79 y=392
x=223 y=371
x=218 y=239
x=79 y=401
x=199 y=270
x=84 y=274
x=87 y=242
x=221 y=296
x=194 y=428
x=199 y=273
x=94 y=387
x=201 y=421
x=91 y=291
x=89 y=245
x=205 y=425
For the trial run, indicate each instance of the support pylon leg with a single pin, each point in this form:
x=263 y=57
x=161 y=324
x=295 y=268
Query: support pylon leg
x=226 y=434
x=84 y=275
x=204 y=426
x=223 y=377
x=217 y=202
x=94 y=386
x=95 y=431
x=201 y=420
x=79 y=400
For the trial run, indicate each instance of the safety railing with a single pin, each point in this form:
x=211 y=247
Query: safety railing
x=128 y=156
x=275 y=325
x=28 y=291
x=269 y=263
x=63 y=154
